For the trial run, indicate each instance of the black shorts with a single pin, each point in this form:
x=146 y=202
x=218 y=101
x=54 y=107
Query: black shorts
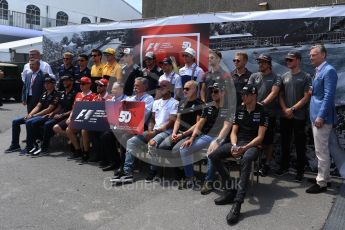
x=63 y=124
x=270 y=132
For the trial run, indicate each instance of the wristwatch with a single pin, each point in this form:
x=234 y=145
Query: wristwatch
x=293 y=109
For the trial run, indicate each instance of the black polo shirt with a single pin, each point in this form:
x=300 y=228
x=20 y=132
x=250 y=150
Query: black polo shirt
x=248 y=123
x=240 y=81
x=153 y=76
x=189 y=110
x=84 y=73
x=49 y=99
x=65 y=72
x=66 y=100
x=215 y=118
x=219 y=76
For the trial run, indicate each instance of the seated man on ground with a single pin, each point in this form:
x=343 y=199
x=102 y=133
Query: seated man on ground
x=61 y=113
x=163 y=116
x=212 y=128
x=46 y=105
x=85 y=95
x=247 y=133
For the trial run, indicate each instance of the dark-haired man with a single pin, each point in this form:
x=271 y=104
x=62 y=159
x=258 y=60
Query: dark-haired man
x=248 y=131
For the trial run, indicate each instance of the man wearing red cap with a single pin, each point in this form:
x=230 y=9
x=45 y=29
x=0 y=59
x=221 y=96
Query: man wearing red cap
x=85 y=95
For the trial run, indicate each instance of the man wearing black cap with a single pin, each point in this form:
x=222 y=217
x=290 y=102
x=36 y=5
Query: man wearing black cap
x=151 y=72
x=61 y=113
x=46 y=105
x=268 y=85
x=293 y=100
x=248 y=131
x=172 y=77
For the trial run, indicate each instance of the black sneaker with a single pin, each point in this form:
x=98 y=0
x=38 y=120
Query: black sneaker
x=151 y=177
x=34 y=149
x=84 y=157
x=264 y=170
x=281 y=172
x=299 y=178
x=76 y=154
x=13 y=149
x=125 y=178
x=234 y=214
x=206 y=188
x=37 y=152
x=315 y=189
x=117 y=175
x=227 y=197
x=24 y=152
x=313 y=181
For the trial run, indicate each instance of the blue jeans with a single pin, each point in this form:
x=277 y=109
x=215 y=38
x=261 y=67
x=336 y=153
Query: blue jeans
x=29 y=131
x=187 y=156
x=48 y=131
x=133 y=144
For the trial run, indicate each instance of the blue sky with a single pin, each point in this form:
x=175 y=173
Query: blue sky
x=137 y=4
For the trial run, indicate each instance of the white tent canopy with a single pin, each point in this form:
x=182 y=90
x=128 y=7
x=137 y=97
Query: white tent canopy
x=22 y=46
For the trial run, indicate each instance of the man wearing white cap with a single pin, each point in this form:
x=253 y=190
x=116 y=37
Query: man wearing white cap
x=130 y=71
x=190 y=71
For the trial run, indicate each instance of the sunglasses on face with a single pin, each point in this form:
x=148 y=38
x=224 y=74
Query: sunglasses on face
x=81 y=60
x=289 y=60
x=236 y=60
x=66 y=58
x=100 y=85
x=186 y=89
x=215 y=91
x=262 y=62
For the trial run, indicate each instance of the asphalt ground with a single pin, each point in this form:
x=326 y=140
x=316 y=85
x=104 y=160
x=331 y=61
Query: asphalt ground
x=52 y=192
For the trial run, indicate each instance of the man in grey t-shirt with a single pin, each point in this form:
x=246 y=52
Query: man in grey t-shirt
x=268 y=85
x=293 y=99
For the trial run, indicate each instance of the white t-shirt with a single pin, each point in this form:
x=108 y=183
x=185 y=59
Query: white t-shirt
x=163 y=109
x=173 y=78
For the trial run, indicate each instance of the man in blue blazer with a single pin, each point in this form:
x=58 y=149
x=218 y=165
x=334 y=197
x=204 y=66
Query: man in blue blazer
x=322 y=113
x=33 y=85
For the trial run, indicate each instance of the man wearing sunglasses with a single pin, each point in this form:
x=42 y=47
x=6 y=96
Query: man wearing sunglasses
x=81 y=70
x=268 y=85
x=85 y=95
x=248 y=131
x=240 y=74
x=96 y=68
x=293 y=99
x=66 y=68
x=211 y=130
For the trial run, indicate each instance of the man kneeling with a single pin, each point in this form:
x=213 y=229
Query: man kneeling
x=247 y=133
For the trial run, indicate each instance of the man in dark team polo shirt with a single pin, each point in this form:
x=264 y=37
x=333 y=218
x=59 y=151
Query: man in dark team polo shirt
x=247 y=133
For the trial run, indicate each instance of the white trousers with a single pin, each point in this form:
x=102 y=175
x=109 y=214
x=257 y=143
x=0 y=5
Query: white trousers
x=321 y=142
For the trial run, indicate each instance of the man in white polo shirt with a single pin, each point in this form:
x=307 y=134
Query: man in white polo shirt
x=172 y=77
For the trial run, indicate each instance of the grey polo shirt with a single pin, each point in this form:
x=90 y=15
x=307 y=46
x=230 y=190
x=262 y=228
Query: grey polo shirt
x=264 y=84
x=294 y=86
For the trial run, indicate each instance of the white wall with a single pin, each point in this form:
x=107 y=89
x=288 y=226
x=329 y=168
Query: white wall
x=76 y=9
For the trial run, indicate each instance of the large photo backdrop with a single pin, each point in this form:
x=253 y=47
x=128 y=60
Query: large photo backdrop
x=271 y=32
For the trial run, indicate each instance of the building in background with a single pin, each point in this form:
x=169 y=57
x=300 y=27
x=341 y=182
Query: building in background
x=24 y=19
x=158 y=8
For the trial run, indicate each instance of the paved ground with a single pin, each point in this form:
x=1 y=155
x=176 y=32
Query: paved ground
x=52 y=192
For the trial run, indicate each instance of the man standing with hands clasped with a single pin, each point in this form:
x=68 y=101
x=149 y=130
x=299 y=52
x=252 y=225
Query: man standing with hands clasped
x=322 y=113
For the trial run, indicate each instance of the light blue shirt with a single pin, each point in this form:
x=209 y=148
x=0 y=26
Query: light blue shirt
x=148 y=99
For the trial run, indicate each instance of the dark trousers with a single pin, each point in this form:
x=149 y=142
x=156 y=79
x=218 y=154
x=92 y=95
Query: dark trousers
x=105 y=145
x=297 y=127
x=30 y=104
x=29 y=131
x=246 y=161
x=48 y=131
